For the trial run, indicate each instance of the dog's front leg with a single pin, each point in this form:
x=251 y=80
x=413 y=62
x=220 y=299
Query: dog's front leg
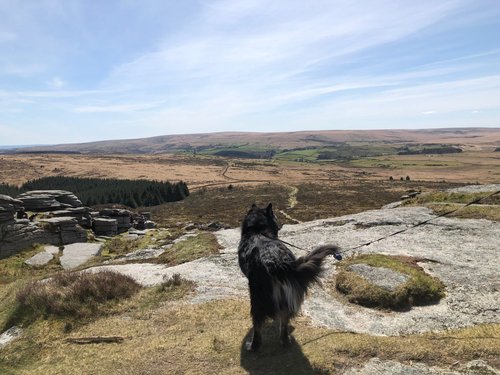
x=255 y=342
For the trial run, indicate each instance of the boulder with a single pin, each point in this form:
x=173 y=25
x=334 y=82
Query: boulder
x=40 y=259
x=48 y=200
x=9 y=335
x=382 y=277
x=150 y=224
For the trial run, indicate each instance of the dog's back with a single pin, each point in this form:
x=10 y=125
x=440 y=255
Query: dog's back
x=278 y=281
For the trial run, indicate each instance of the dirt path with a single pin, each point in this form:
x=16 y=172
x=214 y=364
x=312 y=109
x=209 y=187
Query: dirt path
x=292 y=202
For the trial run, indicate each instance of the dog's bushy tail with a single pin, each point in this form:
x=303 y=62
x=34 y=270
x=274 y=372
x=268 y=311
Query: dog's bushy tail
x=309 y=267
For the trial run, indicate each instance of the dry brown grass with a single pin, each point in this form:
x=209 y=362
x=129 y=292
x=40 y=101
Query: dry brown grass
x=473 y=166
x=220 y=205
x=179 y=338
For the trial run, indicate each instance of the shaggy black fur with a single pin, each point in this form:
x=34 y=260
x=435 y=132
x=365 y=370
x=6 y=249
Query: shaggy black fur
x=278 y=281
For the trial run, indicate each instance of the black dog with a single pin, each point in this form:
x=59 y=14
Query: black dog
x=278 y=281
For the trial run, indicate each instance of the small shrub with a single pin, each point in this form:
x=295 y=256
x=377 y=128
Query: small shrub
x=74 y=294
x=173 y=281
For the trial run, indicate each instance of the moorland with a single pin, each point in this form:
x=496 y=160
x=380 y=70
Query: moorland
x=307 y=176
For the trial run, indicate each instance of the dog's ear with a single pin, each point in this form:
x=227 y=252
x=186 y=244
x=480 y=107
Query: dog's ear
x=254 y=205
x=269 y=209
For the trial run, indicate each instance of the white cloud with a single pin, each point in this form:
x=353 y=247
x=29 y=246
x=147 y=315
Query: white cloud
x=56 y=83
x=120 y=108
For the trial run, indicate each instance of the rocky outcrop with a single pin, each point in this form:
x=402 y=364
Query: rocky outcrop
x=122 y=218
x=105 y=227
x=81 y=214
x=63 y=220
x=66 y=228
x=21 y=234
x=8 y=208
x=48 y=200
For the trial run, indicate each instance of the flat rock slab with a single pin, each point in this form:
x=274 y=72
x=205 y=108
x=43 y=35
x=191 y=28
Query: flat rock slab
x=40 y=259
x=464 y=251
x=60 y=220
x=143 y=254
x=76 y=254
x=9 y=335
x=217 y=276
x=382 y=277
x=377 y=366
x=476 y=189
x=52 y=249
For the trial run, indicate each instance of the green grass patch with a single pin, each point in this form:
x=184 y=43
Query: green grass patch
x=441 y=202
x=120 y=246
x=419 y=289
x=13 y=267
x=190 y=249
x=404 y=162
x=445 y=197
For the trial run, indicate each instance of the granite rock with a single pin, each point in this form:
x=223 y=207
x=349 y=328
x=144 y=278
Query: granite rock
x=76 y=254
x=382 y=277
x=40 y=259
x=48 y=200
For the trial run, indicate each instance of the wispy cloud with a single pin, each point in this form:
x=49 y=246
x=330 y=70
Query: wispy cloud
x=56 y=83
x=251 y=64
x=120 y=108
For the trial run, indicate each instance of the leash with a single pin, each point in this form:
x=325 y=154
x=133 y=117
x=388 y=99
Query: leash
x=337 y=255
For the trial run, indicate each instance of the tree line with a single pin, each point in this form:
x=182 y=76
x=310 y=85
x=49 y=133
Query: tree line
x=93 y=191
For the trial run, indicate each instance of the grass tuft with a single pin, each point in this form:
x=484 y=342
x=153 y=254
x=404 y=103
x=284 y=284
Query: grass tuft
x=420 y=289
x=190 y=249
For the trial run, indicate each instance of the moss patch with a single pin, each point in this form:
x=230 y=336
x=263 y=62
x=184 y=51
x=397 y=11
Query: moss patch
x=419 y=289
x=190 y=249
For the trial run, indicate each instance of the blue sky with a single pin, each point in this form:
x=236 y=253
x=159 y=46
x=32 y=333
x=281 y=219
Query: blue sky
x=74 y=71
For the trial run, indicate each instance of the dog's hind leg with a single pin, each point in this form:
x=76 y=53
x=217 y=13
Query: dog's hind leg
x=284 y=332
x=255 y=342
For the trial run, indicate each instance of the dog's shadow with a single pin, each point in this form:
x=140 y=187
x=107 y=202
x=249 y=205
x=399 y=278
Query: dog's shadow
x=273 y=358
